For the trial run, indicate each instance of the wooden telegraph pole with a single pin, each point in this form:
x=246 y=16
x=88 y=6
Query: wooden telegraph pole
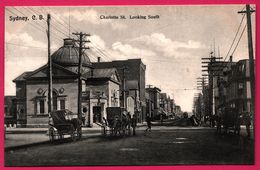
x=81 y=48
x=50 y=108
x=251 y=58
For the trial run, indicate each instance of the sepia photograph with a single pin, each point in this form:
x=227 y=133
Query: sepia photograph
x=139 y=85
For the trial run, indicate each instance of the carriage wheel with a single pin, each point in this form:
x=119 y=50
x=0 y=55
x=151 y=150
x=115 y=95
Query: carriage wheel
x=79 y=132
x=60 y=135
x=73 y=135
x=51 y=134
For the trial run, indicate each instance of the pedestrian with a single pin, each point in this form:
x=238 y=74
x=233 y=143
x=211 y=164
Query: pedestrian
x=149 y=125
x=247 y=120
x=134 y=123
x=218 y=121
x=105 y=124
x=161 y=119
x=237 y=125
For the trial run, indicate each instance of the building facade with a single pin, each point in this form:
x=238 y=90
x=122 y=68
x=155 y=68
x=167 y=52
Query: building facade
x=130 y=70
x=234 y=88
x=99 y=88
x=153 y=101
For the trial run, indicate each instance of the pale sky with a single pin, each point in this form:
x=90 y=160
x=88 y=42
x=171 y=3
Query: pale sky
x=171 y=47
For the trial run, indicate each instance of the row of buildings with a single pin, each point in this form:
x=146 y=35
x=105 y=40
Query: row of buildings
x=228 y=89
x=119 y=83
x=158 y=104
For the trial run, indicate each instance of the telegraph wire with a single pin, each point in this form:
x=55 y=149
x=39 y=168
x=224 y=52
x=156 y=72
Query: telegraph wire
x=239 y=40
x=34 y=12
x=235 y=36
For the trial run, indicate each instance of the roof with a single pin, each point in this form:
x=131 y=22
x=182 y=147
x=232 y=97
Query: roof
x=118 y=63
x=22 y=76
x=42 y=73
x=108 y=73
x=68 y=55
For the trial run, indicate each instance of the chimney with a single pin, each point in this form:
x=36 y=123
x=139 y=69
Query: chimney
x=98 y=59
x=68 y=42
x=231 y=58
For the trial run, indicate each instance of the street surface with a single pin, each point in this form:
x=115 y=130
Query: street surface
x=163 y=146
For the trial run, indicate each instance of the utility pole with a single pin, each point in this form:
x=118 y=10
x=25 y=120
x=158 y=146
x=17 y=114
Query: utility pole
x=124 y=90
x=213 y=68
x=81 y=48
x=50 y=108
x=251 y=58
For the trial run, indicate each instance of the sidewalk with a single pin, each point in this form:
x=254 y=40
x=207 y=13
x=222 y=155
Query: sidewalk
x=21 y=140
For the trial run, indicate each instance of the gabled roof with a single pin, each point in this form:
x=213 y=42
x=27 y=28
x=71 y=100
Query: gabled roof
x=22 y=76
x=58 y=71
x=109 y=73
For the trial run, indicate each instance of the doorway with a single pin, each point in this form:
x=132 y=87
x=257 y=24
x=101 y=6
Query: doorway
x=97 y=114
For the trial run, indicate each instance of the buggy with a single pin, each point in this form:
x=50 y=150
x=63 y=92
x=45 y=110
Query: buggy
x=61 y=125
x=117 y=123
x=231 y=120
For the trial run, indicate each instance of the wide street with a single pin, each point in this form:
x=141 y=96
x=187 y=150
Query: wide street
x=163 y=146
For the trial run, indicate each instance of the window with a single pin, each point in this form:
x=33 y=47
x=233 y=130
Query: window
x=42 y=111
x=83 y=86
x=62 y=104
x=240 y=85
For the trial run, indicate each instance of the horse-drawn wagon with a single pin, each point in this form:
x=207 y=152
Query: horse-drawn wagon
x=118 y=122
x=62 y=124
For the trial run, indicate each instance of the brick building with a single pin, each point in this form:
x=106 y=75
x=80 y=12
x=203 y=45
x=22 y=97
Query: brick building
x=130 y=70
x=153 y=101
x=234 y=89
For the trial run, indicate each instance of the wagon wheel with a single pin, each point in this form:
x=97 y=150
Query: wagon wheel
x=73 y=136
x=60 y=135
x=51 y=134
x=79 y=132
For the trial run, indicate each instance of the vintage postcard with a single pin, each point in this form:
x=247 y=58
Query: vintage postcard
x=139 y=85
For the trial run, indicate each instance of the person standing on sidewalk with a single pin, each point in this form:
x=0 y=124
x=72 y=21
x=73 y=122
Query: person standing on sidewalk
x=134 y=123
x=247 y=120
x=149 y=124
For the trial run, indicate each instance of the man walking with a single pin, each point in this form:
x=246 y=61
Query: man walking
x=149 y=125
x=247 y=120
x=134 y=123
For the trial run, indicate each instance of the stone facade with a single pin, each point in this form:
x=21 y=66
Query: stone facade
x=100 y=89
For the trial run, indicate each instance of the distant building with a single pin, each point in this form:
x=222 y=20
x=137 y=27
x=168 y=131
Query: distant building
x=172 y=107
x=178 y=111
x=130 y=70
x=163 y=103
x=10 y=117
x=153 y=101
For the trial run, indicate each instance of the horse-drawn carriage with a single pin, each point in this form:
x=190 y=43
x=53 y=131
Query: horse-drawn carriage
x=230 y=120
x=62 y=124
x=118 y=122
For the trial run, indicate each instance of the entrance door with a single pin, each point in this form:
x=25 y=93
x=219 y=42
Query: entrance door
x=96 y=114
